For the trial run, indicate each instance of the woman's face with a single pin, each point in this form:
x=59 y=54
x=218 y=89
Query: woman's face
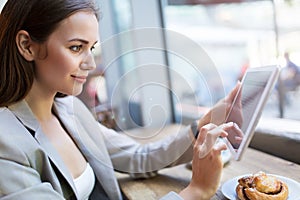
x=64 y=60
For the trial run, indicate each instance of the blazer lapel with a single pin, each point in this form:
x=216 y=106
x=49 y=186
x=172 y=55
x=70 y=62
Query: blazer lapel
x=22 y=111
x=55 y=158
x=91 y=144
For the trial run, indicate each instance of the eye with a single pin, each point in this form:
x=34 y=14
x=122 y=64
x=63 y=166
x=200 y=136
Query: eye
x=76 y=48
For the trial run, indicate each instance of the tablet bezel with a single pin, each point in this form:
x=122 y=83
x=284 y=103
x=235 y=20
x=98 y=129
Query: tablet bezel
x=248 y=134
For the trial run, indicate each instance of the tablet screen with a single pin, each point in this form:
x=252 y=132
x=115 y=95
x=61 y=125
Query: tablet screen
x=248 y=99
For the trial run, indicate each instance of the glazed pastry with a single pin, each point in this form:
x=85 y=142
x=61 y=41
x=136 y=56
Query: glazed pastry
x=261 y=186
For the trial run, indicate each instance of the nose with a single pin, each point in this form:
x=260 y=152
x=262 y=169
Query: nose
x=88 y=63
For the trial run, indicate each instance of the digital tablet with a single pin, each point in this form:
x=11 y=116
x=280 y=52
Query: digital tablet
x=256 y=86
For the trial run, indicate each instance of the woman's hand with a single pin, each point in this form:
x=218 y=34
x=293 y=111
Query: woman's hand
x=218 y=113
x=207 y=170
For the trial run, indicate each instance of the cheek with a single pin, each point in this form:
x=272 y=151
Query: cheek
x=56 y=66
x=62 y=61
x=50 y=72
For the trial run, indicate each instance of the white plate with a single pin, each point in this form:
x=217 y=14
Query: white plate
x=228 y=188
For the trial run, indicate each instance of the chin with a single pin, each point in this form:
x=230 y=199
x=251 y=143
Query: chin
x=76 y=92
x=73 y=92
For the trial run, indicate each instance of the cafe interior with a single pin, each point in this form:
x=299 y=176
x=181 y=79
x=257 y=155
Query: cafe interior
x=161 y=64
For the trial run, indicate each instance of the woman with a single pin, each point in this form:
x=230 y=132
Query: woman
x=51 y=147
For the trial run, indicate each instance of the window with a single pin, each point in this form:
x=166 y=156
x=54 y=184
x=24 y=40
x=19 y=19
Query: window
x=135 y=70
x=234 y=36
x=222 y=37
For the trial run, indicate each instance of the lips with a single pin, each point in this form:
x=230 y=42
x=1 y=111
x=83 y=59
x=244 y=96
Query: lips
x=80 y=79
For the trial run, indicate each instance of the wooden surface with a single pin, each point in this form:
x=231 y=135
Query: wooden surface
x=176 y=178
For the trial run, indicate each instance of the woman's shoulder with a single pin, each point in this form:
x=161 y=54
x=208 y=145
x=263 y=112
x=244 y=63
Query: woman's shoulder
x=5 y=117
x=10 y=127
x=13 y=138
x=3 y=111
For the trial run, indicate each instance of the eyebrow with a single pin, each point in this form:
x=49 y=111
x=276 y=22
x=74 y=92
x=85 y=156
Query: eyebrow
x=81 y=40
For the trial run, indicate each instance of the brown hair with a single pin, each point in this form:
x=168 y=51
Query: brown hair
x=39 y=18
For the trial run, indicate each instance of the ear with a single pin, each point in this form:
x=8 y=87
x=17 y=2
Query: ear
x=25 y=45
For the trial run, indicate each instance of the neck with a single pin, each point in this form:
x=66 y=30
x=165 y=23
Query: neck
x=41 y=104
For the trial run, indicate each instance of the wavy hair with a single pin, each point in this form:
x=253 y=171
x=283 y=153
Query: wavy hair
x=39 y=18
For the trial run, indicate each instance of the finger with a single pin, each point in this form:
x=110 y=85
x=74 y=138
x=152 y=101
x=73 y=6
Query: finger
x=233 y=92
x=208 y=139
x=212 y=136
x=203 y=132
x=209 y=126
x=219 y=147
x=239 y=99
x=224 y=128
x=235 y=128
x=211 y=139
x=238 y=139
x=216 y=133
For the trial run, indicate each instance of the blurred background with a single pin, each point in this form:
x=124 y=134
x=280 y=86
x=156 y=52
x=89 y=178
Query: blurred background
x=234 y=35
x=153 y=85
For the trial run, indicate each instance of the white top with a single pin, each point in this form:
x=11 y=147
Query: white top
x=85 y=183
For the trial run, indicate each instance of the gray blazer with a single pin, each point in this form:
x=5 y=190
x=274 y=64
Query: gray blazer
x=30 y=167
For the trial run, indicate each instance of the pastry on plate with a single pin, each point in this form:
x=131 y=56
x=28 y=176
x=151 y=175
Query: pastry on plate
x=261 y=186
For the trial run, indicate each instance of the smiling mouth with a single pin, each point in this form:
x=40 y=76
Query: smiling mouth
x=80 y=79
